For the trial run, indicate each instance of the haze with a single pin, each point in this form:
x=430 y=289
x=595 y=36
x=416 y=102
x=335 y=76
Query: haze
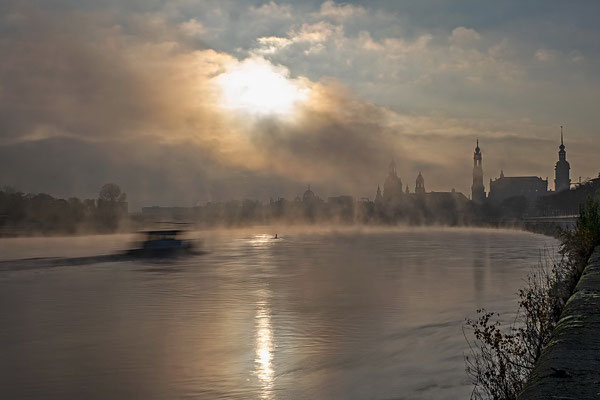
x=182 y=102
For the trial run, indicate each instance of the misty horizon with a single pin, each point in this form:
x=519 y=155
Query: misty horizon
x=184 y=103
x=264 y=193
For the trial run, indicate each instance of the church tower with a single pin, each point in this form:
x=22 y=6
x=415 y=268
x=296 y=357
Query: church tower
x=420 y=184
x=378 y=196
x=477 y=190
x=562 y=180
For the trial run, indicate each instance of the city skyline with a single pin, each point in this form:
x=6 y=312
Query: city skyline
x=417 y=185
x=187 y=102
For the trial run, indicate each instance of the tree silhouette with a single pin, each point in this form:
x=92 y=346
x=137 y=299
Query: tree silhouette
x=110 y=208
x=111 y=192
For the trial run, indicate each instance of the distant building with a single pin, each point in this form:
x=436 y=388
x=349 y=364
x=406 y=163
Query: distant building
x=477 y=190
x=420 y=184
x=448 y=208
x=505 y=187
x=312 y=205
x=562 y=180
x=308 y=196
x=420 y=207
x=341 y=200
x=392 y=187
x=568 y=202
x=438 y=198
x=378 y=196
x=341 y=208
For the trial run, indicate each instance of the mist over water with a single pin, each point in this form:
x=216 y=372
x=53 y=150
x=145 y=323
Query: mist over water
x=315 y=314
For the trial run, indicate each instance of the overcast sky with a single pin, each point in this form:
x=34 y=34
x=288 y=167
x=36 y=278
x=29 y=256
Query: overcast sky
x=181 y=102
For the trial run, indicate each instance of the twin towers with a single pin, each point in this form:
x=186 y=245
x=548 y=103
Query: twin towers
x=562 y=180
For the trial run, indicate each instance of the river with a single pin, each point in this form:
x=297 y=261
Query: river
x=315 y=314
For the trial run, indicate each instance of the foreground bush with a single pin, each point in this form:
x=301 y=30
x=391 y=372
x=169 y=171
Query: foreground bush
x=501 y=357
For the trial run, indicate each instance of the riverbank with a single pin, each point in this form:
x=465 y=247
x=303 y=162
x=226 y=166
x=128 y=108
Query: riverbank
x=569 y=367
x=502 y=360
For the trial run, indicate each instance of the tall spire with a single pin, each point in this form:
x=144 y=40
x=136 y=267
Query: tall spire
x=378 y=196
x=392 y=168
x=562 y=143
x=477 y=190
x=562 y=179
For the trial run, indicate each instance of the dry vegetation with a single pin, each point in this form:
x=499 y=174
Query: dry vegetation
x=501 y=357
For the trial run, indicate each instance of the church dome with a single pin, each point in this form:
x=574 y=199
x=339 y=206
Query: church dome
x=420 y=179
x=308 y=195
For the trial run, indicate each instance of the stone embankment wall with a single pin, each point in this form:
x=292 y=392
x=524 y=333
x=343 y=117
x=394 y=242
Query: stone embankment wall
x=569 y=367
x=550 y=225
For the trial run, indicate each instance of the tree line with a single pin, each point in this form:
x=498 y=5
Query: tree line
x=28 y=213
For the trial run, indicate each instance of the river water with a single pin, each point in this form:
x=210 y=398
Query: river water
x=341 y=314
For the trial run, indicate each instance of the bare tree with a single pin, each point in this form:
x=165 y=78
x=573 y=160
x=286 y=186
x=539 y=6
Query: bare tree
x=111 y=207
x=111 y=192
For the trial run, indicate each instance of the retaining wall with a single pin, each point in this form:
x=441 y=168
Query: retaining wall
x=569 y=367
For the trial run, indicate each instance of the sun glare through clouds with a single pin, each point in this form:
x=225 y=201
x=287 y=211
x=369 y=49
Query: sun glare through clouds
x=257 y=87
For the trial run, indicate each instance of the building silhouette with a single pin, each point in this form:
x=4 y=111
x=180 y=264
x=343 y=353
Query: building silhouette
x=569 y=202
x=308 y=196
x=420 y=184
x=562 y=180
x=341 y=209
x=392 y=187
x=506 y=187
x=378 y=196
x=421 y=207
x=508 y=199
x=477 y=190
x=531 y=188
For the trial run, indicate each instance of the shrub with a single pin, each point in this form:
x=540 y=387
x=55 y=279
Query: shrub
x=501 y=358
x=578 y=244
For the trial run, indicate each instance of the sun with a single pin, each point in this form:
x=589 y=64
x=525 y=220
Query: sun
x=257 y=87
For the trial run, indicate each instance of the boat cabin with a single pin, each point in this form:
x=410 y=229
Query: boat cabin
x=162 y=239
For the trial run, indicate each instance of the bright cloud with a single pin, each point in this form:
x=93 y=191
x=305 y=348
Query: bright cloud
x=255 y=86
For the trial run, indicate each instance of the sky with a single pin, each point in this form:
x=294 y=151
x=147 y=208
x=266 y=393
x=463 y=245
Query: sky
x=181 y=102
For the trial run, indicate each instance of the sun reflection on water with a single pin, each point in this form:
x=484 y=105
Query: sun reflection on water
x=261 y=240
x=264 y=345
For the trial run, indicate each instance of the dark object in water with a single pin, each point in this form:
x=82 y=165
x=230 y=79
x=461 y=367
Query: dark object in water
x=158 y=244
x=164 y=243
